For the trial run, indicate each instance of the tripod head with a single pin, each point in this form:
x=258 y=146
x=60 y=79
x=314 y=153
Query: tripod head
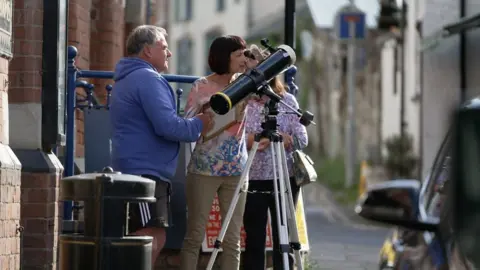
x=271 y=108
x=270 y=125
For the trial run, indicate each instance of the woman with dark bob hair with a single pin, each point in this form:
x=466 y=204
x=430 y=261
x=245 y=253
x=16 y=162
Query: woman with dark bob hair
x=218 y=160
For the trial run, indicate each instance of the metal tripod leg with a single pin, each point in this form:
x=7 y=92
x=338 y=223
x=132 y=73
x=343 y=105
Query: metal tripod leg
x=228 y=217
x=280 y=203
x=292 y=219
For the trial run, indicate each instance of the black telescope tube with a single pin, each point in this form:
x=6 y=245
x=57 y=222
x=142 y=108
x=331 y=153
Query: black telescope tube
x=223 y=102
x=274 y=64
x=249 y=82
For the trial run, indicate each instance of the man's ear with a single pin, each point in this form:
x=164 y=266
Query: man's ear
x=147 y=51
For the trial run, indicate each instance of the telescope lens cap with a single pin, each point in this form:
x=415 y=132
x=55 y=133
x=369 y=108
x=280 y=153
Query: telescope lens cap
x=219 y=104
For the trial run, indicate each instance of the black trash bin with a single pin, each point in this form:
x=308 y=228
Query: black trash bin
x=104 y=243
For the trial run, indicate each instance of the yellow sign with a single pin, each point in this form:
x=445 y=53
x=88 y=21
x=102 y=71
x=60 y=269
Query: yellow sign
x=302 y=223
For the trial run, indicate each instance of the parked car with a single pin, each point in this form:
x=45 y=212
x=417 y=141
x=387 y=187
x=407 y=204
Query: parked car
x=424 y=212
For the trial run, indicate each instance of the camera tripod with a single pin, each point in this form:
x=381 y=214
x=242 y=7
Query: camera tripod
x=288 y=239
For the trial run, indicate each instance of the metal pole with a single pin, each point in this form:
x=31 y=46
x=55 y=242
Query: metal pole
x=351 y=153
x=335 y=125
x=70 y=131
x=289 y=26
x=403 y=71
x=410 y=63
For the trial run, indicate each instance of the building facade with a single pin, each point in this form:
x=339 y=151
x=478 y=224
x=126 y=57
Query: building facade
x=391 y=91
x=10 y=169
x=193 y=25
x=31 y=213
x=443 y=80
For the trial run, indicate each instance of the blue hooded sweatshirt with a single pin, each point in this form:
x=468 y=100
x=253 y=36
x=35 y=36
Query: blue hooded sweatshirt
x=146 y=130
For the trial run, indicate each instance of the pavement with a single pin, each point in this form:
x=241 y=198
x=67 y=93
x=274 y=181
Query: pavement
x=338 y=239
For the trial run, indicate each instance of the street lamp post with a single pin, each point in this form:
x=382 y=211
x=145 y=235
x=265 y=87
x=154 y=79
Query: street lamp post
x=290 y=23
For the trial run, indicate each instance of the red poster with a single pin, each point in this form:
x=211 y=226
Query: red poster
x=214 y=225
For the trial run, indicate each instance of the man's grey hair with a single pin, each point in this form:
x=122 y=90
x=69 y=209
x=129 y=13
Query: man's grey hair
x=144 y=35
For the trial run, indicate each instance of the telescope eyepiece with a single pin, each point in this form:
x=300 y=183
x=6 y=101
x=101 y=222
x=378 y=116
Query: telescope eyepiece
x=265 y=43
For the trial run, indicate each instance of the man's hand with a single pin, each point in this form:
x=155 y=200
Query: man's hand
x=263 y=144
x=287 y=140
x=207 y=120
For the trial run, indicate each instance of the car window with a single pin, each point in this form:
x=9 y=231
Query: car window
x=434 y=195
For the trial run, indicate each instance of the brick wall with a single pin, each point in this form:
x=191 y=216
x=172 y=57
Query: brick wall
x=79 y=22
x=25 y=79
x=32 y=205
x=106 y=40
x=35 y=202
x=41 y=218
x=96 y=28
x=9 y=185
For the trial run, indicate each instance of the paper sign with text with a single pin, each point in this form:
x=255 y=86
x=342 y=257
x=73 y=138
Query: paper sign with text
x=214 y=225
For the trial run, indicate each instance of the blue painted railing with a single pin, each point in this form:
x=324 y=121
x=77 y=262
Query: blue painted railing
x=89 y=102
x=290 y=80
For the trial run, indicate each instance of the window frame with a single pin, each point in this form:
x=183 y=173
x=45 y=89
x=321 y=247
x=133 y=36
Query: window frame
x=221 y=5
x=183 y=10
x=427 y=187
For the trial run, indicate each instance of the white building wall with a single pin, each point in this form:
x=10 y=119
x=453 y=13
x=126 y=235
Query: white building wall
x=205 y=17
x=441 y=78
x=391 y=100
x=262 y=9
x=390 y=97
x=413 y=102
x=473 y=53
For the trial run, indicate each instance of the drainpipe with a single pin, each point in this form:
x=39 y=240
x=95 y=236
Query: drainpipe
x=463 y=54
x=404 y=64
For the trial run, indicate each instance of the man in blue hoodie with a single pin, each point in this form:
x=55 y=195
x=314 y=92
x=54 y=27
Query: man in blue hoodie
x=146 y=130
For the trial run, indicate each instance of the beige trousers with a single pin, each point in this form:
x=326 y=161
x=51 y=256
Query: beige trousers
x=200 y=192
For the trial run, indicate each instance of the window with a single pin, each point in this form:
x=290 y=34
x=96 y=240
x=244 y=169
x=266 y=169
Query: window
x=184 y=66
x=209 y=37
x=183 y=10
x=435 y=190
x=220 y=5
x=437 y=194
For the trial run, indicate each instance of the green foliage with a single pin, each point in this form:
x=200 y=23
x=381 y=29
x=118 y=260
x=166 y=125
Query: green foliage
x=401 y=162
x=310 y=264
x=331 y=173
x=303 y=95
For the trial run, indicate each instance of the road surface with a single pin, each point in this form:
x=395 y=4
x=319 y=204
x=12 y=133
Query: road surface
x=337 y=243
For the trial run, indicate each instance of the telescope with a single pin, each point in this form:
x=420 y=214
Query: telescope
x=254 y=80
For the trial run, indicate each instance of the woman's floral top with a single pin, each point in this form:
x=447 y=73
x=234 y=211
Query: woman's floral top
x=288 y=123
x=225 y=154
